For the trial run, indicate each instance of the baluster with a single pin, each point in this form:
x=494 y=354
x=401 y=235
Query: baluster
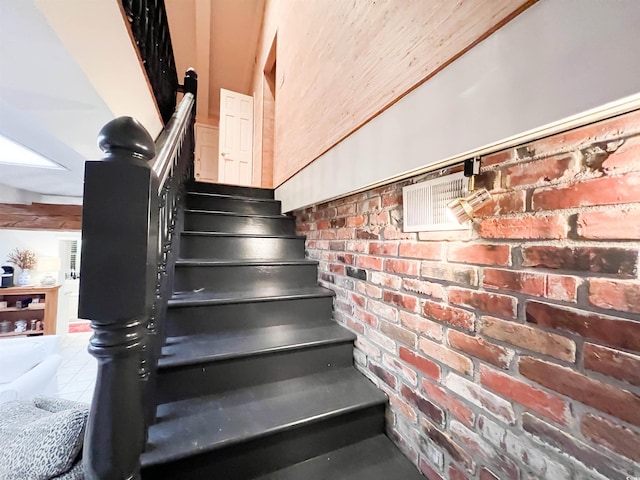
x=119 y=251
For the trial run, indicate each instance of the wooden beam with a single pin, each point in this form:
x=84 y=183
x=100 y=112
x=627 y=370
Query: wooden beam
x=40 y=216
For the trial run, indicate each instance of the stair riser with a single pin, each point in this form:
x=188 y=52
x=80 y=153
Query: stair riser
x=210 y=222
x=241 y=248
x=238 y=316
x=230 y=190
x=272 y=452
x=221 y=279
x=231 y=204
x=219 y=376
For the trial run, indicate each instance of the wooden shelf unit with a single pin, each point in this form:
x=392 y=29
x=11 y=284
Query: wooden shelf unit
x=48 y=314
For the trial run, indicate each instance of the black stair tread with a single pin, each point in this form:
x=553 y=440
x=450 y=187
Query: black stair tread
x=234 y=214
x=205 y=262
x=375 y=458
x=192 y=349
x=235 y=197
x=197 y=425
x=241 y=235
x=183 y=299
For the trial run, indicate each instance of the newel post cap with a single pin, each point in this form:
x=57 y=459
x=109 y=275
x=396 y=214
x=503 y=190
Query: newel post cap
x=126 y=137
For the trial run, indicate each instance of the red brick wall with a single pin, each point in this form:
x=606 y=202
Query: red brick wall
x=510 y=351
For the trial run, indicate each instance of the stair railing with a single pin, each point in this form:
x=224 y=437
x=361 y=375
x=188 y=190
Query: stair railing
x=130 y=211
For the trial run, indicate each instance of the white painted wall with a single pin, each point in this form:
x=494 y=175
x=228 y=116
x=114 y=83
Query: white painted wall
x=556 y=60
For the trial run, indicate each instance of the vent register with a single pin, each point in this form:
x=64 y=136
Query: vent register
x=425 y=203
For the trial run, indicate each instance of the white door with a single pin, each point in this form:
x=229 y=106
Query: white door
x=236 y=138
x=206 y=161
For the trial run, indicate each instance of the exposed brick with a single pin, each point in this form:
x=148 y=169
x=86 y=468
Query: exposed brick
x=346 y=258
x=383 y=310
x=506 y=468
x=392 y=200
x=569 y=445
x=339 y=269
x=530 y=338
x=480 y=348
x=421 y=325
x=428 y=471
x=379 y=218
x=600 y=191
x=450 y=273
x=389 y=281
x=498 y=157
x=354 y=326
x=447 y=356
x=405 y=267
x=488 y=302
x=338 y=222
x=445 y=313
x=609 y=224
x=480 y=254
x=612 y=436
x=547 y=227
x=432 y=411
x=426 y=366
x=383 y=248
x=538 y=171
x=401 y=406
x=368 y=205
x=383 y=375
x=425 y=251
x=545 y=404
x=529 y=283
x=455 y=474
x=615 y=332
x=382 y=340
x=371 y=291
x=624 y=158
x=505 y=204
x=609 y=399
x=614 y=363
x=358 y=273
x=403 y=301
x=474 y=393
x=618 y=261
x=398 y=333
x=369 y=234
x=345 y=210
x=359 y=300
x=486 y=474
x=406 y=373
x=356 y=221
x=561 y=287
x=368 y=348
x=448 y=402
x=371 y=263
x=456 y=452
x=357 y=246
x=393 y=233
x=424 y=288
x=366 y=317
x=615 y=295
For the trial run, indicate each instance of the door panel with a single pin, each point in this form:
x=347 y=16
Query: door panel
x=206 y=158
x=236 y=138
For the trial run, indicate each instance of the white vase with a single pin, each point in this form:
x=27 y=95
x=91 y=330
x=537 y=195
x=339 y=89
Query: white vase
x=24 y=278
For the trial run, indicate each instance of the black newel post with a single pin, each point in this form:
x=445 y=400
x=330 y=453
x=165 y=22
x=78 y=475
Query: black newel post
x=118 y=272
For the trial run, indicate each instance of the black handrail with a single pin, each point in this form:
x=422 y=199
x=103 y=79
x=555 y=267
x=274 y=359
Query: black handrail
x=130 y=210
x=150 y=30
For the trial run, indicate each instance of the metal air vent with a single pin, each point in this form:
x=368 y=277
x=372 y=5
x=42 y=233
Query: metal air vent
x=425 y=203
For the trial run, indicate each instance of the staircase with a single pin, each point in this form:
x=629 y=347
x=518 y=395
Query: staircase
x=255 y=379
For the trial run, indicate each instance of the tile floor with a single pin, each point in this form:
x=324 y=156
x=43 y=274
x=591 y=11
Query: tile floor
x=77 y=373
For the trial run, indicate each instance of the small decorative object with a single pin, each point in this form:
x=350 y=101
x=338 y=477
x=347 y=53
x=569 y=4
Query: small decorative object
x=5 y=327
x=34 y=324
x=25 y=260
x=3 y=304
x=6 y=277
x=21 y=326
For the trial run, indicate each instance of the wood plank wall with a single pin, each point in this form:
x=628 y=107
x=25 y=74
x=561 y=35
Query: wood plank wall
x=40 y=216
x=340 y=63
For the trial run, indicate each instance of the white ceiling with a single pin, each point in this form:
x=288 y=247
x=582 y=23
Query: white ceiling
x=51 y=99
